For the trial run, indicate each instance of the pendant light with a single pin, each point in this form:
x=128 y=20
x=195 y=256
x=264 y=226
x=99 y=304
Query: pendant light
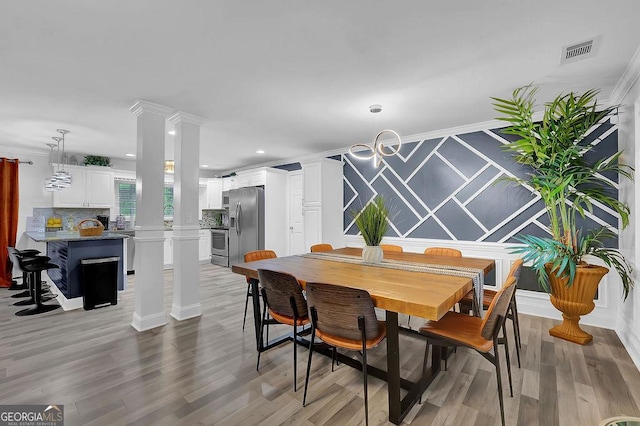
x=60 y=179
x=377 y=150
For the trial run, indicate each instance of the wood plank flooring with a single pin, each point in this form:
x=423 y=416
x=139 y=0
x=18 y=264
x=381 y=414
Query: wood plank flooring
x=202 y=371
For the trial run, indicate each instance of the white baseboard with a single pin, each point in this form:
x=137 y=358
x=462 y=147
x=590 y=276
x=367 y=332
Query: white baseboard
x=148 y=322
x=631 y=343
x=182 y=313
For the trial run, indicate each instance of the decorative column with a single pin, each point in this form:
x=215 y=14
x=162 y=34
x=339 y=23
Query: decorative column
x=149 y=240
x=186 y=268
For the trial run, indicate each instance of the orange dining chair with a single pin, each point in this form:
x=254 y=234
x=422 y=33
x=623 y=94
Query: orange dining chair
x=488 y=295
x=321 y=247
x=285 y=303
x=482 y=335
x=391 y=247
x=443 y=251
x=251 y=257
x=343 y=317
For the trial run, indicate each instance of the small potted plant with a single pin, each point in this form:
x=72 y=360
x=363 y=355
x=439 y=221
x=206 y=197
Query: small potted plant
x=372 y=221
x=96 y=160
x=569 y=185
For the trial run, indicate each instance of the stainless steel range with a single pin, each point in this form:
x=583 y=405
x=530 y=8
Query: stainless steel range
x=220 y=246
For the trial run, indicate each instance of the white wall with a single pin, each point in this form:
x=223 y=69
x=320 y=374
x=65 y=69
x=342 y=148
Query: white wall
x=628 y=312
x=31 y=180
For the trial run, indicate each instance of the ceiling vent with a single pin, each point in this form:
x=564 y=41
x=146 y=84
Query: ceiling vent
x=578 y=51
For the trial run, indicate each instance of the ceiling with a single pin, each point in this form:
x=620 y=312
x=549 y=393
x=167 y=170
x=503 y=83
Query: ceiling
x=289 y=77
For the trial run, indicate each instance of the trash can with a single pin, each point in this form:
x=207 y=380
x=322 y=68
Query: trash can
x=99 y=281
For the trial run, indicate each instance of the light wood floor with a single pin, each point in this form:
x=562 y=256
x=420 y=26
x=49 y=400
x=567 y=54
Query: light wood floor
x=202 y=371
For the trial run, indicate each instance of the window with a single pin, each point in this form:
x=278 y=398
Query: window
x=126 y=199
x=126 y=196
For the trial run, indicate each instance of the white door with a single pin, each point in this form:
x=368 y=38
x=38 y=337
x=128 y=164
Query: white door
x=296 y=219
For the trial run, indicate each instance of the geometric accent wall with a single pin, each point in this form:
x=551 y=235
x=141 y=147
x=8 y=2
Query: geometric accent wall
x=449 y=188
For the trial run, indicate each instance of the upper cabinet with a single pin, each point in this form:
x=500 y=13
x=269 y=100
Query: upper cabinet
x=214 y=193
x=90 y=187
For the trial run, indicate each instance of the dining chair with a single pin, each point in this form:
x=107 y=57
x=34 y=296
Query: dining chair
x=443 y=251
x=343 y=317
x=488 y=295
x=321 y=247
x=439 y=251
x=251 y=257
x=391 y=247
x=286 y=304
x=455 y=329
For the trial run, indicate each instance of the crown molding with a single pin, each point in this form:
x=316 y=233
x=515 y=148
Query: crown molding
x=141 y=106
x=628 y=79
x=185 y=117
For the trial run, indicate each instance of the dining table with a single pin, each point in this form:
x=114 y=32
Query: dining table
x=399 y=285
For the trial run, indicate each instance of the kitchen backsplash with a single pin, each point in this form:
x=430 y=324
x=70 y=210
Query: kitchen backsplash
x=211 y=218
x=69 y=215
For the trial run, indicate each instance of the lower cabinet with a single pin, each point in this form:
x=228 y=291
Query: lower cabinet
x=168 y=249
x=204 y=246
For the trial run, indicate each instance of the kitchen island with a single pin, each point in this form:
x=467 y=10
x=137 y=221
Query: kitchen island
x=68 y=250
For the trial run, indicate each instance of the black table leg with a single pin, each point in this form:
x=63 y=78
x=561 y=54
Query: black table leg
x=255 y=299
x=393 y=367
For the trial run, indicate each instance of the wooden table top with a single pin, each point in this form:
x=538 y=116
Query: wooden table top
x=421 y=294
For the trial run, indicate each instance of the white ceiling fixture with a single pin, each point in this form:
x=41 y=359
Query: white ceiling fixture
x=260 y=151
x=377 y=150
x=130 y=155
x=172 y=132
x=204 y=165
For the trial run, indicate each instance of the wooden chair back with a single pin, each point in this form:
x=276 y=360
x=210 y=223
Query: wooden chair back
x=443 y=251
x=321 y=247
x=338 y=309
x=497 y=311
x=391 y=247
x=252 y=256
x=279 y=287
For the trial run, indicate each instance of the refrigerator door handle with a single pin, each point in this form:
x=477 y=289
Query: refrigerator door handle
x=239 y=218
x=235 y=224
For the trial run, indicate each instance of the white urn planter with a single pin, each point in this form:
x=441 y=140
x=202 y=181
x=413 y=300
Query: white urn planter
x=372 y=254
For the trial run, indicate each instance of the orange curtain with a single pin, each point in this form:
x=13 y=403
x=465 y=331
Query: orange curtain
x=8 y=215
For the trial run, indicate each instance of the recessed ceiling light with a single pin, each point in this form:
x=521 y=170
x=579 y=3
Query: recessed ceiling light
x=130 y=155
x=260 y=151
x=172 y=132
x=204 y=165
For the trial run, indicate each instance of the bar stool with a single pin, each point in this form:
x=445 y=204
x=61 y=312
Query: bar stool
x=31 y=278
x=13 y=254
x=35 y=269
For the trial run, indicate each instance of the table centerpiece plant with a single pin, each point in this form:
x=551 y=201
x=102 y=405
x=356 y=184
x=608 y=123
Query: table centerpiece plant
x=555 y=151
x=372 y=221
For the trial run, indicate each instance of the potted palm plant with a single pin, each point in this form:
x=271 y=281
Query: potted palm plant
x=372 y=221
x=569 y=185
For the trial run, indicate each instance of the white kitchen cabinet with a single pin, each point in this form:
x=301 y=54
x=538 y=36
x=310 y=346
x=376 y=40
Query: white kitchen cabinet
x=322 y=202
x=214 y=193
x=168 y=249
x=90 y=187
x=229 y=183
x=204 y=246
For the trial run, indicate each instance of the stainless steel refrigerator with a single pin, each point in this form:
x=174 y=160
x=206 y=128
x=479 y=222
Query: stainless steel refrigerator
x=246 y=222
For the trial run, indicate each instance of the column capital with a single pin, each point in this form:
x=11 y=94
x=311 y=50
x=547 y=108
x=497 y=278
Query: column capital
x=183 y=117
x=141 y=106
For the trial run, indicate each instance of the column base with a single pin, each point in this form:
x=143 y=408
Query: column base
x=182 y=313
x=149 y=321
